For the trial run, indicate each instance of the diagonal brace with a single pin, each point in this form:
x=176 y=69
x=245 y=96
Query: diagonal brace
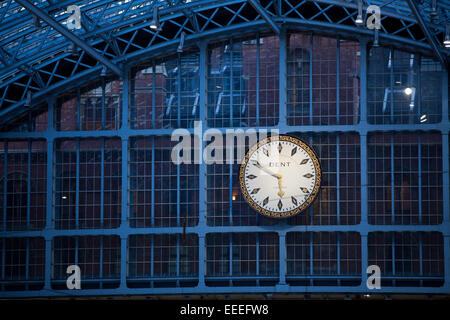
x=257 y=6
x=426 y=30
x=69 y=35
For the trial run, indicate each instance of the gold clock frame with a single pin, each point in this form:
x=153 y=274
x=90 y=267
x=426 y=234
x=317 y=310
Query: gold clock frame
x=314 y=192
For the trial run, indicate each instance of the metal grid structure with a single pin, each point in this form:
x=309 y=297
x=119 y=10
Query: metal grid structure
x=167 y=229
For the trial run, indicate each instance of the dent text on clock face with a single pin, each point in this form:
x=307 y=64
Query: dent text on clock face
x=280 y=176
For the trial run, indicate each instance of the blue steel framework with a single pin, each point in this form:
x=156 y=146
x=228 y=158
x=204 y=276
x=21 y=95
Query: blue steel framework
x=279 y=277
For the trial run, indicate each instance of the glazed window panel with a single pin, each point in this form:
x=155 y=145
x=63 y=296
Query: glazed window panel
x=403 y=88
x=335 y=203
x=23 y=184
x=32 y=121
x=160 y=258
x=97 y=256
x=243 y=82
x=404 y=257
x=242 y=254
x=312 y=257
x=225 y=203
x=405 y=178
x=23 y=260
x=88 y=183
x=323 y=87
x=97 y=106
x=166 y=93
x=174 y=188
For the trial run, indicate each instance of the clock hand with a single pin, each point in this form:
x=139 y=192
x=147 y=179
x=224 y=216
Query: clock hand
x=273 y=174
x=280 y=193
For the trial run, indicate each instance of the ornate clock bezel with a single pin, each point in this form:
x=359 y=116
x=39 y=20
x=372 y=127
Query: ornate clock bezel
x=303 y=206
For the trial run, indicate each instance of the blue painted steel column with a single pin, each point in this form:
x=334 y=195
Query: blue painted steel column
x=258 y=65
x=283 y=78
x=49 y=196
x=363 y=227
x=3 y=262
x=153 y=96
x=282 y=254
x=102 y=183
x=202 y=169
x=445 y=181
x=5 y=183
x=338 y=182
x=419 y=169
x=338 y=85
x=28 y=183
x=124 y=189
x=310 y=79
x=77 y=189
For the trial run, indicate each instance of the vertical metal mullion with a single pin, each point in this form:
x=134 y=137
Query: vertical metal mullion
x=418 y=97
x=77 y=238
x=178 y=195
x=420 y=254
x=258 y=76
x=282 y=79
x=153 y=184
x=338 y=183
x=101 y=261
x=202 y=168
x=393 y=253
x=5 y=183
x=3 y=259
x=391 y=84
x=152 y=254
x=102 y=183
x=338 y=72
x=338 y=253
x=29 y=184
x=419 y=155
x=77 y=196
x=282 y=257
x=311 y=253
x=103 y=104
x=392 y=181
x=153 y=94
x=231 y=82
x=257 y=253
x=311 y=80
x=179 y=90
x=230 y=243
x=78 y=109
x=178 y=254
x=27 y=258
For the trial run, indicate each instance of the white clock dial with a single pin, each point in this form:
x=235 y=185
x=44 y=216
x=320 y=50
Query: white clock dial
x=280 y=176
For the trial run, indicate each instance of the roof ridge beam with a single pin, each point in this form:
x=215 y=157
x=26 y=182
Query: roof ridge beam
x=69 y=35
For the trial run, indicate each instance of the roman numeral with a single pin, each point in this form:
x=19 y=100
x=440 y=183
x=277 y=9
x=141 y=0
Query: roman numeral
x=294 y=151
x=280 y=204
x=251 y=176
x=266 y=152
x=265 y=201
x=304 y=161
x=304 y=190
x=280 y=147
x=308 y=175
x=294 y=201
x=255 y=191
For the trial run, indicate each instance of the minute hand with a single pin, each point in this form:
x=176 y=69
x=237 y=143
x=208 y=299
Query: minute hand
x=273 y=174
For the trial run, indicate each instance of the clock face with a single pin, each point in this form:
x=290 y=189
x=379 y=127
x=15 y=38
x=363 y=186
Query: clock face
x=280 y=176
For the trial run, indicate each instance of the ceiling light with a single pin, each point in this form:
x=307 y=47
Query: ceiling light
x=154 y=24
x=408 y=91
x=447 y=36
x=359 y=19
x=181 y=45
x=64 y=197
x=28 y=100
